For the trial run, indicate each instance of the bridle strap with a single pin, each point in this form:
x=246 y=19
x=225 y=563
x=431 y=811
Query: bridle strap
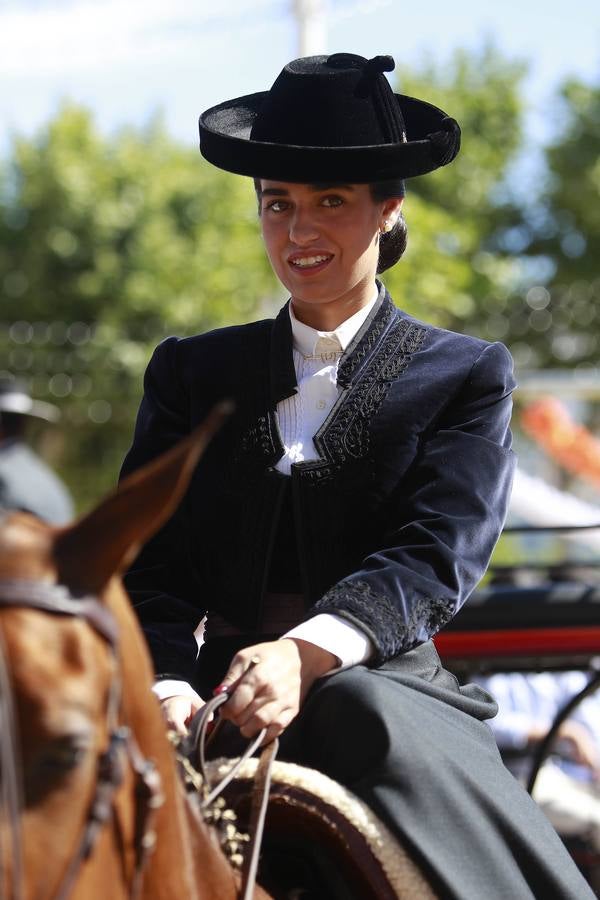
x=110 y=774
x=149 y=797
x=57 y=599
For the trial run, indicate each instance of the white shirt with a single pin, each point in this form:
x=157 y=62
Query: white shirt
x=316 y=360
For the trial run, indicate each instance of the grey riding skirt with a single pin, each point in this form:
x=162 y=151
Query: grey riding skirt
x=414 y=745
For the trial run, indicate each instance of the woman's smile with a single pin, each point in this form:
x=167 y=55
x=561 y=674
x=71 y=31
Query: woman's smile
x=309 y=264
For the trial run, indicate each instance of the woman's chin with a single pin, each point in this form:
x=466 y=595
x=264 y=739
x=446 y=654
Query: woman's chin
x=319 y=286
x=317 y=290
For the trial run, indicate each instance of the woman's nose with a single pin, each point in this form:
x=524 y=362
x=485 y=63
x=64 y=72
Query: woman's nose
x=303 y=228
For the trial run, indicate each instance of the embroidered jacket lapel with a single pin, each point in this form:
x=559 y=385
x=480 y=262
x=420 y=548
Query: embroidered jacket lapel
x=366 y=340
x=378 y=355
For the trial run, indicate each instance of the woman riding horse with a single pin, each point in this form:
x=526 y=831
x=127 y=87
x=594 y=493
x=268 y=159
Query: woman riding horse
x=350 y=506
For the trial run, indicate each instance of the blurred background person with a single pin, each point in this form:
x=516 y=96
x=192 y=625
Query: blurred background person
x=26 y=482
x=567 y=787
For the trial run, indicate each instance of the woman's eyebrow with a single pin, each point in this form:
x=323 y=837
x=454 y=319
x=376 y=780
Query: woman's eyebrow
x=283 y=192
x=332 y=186
x=273 y=192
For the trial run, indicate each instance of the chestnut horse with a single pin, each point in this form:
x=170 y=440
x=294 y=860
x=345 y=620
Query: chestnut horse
x=84 y=814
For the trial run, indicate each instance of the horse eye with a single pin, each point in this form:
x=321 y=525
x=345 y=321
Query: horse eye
x=54 y=762
x=64 y=754
x=59 y=757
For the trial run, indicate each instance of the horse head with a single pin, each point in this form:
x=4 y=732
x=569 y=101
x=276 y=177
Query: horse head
x=80 y=802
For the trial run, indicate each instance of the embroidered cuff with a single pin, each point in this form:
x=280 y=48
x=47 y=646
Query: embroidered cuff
x=380 y=619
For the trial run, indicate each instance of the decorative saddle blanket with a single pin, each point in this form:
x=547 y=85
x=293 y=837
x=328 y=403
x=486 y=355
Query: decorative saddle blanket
x=313 y=818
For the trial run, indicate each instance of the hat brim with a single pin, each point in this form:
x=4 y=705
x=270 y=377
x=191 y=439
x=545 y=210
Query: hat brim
x=432 y=140
x=20 y=404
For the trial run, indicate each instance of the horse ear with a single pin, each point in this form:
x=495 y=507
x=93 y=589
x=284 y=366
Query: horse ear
x=107 y=539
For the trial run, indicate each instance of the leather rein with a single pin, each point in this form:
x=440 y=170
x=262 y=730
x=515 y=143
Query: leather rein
x=122 y=746
x=195 y=749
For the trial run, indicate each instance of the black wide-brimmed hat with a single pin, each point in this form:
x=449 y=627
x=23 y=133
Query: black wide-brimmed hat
x=16 y=399
x=329 y=119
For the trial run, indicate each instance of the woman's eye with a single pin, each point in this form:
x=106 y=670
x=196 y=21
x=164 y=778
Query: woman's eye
x=277 y=205
x=332 y=200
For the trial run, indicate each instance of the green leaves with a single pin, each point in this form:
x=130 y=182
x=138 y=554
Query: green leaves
x=454 y=273
x=133 y=237
x=561 y=239
x=110 y=243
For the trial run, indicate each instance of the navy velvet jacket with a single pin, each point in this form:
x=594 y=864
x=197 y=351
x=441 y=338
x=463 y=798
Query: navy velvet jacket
x=395 y=522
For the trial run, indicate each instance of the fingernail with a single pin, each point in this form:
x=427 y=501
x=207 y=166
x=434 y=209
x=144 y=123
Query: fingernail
x=220 y=689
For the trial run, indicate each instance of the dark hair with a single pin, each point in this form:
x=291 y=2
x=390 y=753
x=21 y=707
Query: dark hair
x=392 y=244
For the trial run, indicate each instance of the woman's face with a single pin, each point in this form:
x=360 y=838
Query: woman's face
x=322 y=241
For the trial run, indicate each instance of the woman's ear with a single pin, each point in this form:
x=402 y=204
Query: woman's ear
x=390 y=211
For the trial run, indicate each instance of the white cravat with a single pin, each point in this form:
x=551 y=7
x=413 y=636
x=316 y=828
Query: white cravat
x=316 y=359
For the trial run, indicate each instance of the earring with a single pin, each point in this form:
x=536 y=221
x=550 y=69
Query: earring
x=387 y=226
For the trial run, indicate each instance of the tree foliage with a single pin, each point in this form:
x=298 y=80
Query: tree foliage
x=108 y=244
x=558 y=324
x=454 y=273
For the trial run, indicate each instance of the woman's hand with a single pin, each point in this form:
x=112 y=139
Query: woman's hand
x=269 y=693
x=179 y=711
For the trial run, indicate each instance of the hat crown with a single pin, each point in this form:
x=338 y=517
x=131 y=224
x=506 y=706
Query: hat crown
x=342 y=100
x=329 y=119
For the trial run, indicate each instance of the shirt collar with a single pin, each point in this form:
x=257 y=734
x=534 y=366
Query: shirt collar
x=306 y=338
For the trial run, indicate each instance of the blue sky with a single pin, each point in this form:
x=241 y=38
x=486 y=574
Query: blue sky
x=127 y=58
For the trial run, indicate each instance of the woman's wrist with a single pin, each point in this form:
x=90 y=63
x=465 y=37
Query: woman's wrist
x=314 y=660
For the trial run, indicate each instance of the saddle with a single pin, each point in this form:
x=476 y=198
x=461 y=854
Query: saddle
x=319 y=840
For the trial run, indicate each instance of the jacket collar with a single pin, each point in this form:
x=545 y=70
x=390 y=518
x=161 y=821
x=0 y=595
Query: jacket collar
x=283 y=373
x=307 y=339
x=356 y=355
